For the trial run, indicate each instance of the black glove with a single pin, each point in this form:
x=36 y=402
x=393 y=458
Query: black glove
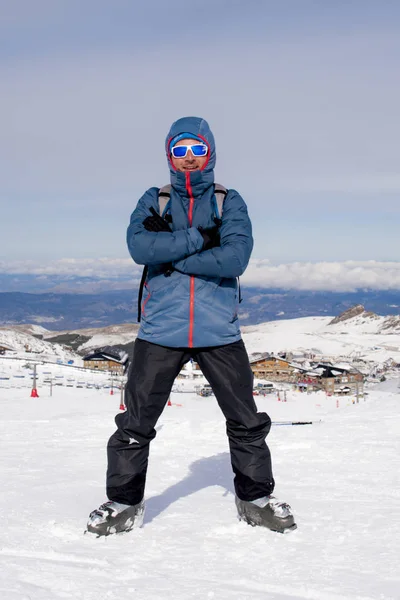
x=156 y=222
x=210 y=237
x=168 y=269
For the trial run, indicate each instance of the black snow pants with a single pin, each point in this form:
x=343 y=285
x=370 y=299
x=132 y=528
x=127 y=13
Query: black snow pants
x=151 y=376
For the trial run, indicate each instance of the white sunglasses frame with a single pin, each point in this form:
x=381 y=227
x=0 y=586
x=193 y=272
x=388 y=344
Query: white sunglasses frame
x=189 y=147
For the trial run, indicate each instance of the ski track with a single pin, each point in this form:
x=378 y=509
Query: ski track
x=341 y=477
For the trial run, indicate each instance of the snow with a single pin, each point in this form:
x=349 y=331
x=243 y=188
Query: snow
x=18 y=340
x=314 y=334
x=340 y=475
x=17 y=373
x=115 y=339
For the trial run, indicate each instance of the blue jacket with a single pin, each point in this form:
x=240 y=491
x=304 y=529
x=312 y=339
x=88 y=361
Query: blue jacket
x=197 y=305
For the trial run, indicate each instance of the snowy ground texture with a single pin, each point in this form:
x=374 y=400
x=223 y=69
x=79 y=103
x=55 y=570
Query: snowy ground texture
x=340 y=475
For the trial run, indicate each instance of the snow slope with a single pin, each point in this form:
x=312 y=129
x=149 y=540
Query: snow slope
x=341 y=477
x=17 y=373
x=362 y=334
x=18 y=340
x=347 y=339
x=103 y=336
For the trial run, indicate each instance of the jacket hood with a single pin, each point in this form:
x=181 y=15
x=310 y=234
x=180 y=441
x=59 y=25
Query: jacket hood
x=200 y=128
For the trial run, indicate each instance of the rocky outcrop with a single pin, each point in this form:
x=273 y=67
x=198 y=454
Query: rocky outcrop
x=391 y=323
x=350 y=313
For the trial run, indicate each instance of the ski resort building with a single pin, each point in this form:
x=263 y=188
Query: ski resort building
x=190 y=370
x=333 y=378
x=269 y=366
x=341 y=379
x=111 y=359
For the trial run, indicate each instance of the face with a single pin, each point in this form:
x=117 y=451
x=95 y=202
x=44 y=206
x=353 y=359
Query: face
x=189 y=162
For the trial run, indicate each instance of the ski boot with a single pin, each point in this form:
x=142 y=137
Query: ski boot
x=266 y=512
x=113 y=517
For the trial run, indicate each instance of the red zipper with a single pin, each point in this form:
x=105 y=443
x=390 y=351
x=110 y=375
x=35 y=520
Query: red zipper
x=191 y=299
x=146 y=299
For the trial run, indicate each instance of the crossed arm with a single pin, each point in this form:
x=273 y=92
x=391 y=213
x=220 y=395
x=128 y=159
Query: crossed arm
x=150 y=247
x=183 y=248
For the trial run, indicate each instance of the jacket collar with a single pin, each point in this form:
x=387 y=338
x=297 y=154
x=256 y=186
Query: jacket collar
x=199 y=182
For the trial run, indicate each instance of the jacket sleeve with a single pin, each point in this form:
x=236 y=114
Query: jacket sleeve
x=150 y=247
x=232 y=257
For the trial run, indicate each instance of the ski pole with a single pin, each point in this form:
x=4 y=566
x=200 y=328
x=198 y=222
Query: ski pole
x=294 y=422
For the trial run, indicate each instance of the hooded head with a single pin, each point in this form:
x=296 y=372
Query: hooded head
x=198 y=129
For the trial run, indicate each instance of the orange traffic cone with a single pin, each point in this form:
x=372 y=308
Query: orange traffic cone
x=169 y=403
x=34 y=393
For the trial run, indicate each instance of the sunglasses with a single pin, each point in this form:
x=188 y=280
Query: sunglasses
x=196 y=149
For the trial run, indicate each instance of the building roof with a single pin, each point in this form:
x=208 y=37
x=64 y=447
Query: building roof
x=255 y=358
x=298 y=367
x=108 y=353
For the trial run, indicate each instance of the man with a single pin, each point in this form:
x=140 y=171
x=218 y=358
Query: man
x=190 y=311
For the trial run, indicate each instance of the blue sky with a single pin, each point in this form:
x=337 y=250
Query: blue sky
x=302 y=96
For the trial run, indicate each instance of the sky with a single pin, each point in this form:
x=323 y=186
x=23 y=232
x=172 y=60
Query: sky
x=302 y=96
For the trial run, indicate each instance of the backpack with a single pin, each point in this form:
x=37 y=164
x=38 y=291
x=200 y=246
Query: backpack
x=164 y=201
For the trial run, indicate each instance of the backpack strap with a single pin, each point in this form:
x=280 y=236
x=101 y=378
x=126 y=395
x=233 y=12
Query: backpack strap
x=140 y=294
x=164 y=199
x=220 y=193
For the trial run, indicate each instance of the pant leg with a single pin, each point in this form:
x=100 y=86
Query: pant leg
x=151 y=376
x=228 y=371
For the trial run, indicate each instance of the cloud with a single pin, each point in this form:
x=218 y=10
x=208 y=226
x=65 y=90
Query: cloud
x=344 y=276
x=111 y=268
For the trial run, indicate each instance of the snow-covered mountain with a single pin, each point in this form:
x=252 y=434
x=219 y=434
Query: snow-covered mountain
x=365 y=321
x=24 y=343
x=84 y=340
x=357 y=334
x=29 y=328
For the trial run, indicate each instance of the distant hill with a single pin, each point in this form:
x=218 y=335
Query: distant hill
x=23 y=342
x=66 y=312
x=86 y=340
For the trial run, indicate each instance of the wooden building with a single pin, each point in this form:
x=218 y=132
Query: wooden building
x=271 y=367
x=111 y=359
x=334 y=379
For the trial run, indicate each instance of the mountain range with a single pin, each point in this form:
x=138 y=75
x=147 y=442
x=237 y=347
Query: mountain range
x=66 y=311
